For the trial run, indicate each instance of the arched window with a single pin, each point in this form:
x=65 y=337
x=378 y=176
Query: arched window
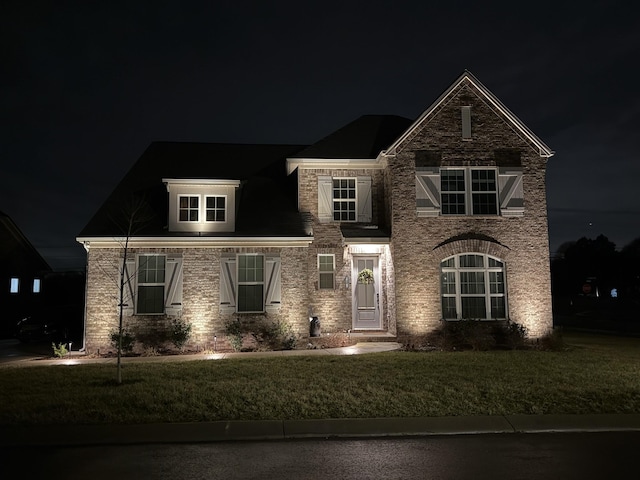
x=472 y=286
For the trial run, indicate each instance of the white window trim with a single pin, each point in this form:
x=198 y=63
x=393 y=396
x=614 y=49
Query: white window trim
x=14 y=285
x=351 y=200
x=325 y=272
x=205 y=209
x=239 y=283
x=468 y=193
x=199 y=209
x=487 y=284
x=37 y=285
x=363 y=200
x=138 y=284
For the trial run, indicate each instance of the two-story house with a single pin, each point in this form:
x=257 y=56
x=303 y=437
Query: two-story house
x=385 y=226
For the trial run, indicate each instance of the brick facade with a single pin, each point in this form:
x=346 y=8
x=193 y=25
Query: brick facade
x=200 y=295
x=522 y=242
x=409 y=252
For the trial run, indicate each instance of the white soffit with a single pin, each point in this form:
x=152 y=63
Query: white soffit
x=193 y=242
x=331 y=163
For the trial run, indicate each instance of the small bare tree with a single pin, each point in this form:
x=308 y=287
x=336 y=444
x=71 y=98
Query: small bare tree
x=134 y=215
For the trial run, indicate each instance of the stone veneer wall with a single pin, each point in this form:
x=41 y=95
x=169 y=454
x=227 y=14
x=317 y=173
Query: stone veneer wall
x=415 y=239
x=200 y=295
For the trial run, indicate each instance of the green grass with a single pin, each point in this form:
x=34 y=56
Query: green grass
x=597 y=374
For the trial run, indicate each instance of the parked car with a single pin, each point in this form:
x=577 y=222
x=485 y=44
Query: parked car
x=54 y=324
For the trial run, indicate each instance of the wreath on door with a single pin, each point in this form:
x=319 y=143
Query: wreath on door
x=365 y=276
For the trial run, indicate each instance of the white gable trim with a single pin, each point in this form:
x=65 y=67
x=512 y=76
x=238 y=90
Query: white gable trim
x=493 y=101
x=332 y=163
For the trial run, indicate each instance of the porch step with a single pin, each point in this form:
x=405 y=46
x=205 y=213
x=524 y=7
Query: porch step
x=343 y=339
x=373 y=336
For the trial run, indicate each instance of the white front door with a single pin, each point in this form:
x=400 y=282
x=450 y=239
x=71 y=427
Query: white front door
x=366 y=293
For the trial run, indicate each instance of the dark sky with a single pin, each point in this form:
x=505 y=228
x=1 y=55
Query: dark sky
x=86 y=86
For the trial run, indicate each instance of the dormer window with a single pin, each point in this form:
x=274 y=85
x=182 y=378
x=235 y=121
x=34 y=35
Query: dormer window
x=215 y=208
x=189 y=208
x=201 y=205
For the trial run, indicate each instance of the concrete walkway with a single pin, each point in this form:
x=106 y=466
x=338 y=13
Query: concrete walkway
x=75 y=358
x=16 y=435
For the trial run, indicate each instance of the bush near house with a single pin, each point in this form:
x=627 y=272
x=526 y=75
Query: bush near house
x=477 y=335
x=128 y=341
x=260 y=334
x=154 y=342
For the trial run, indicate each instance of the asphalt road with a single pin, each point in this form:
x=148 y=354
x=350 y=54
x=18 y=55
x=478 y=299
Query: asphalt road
x=503 y=456
x=12 y=350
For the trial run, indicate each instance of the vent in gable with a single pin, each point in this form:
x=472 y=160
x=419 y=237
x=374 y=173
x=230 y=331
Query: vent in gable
x=466 y=123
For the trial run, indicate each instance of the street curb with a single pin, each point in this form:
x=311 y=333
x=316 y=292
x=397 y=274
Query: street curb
x=86 y=435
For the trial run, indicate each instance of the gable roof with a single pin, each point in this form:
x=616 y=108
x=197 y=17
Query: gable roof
x=17 y=254
x=254 y=165
x=362 y=138
x=467 y=78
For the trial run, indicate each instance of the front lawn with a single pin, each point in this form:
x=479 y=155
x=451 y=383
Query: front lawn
x=597 y=374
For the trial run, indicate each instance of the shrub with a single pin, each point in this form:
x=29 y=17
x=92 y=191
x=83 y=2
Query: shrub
x=470 y=335
x=552 y=341
x=234 y=333
x=153 y=341
x=276 y=335
x=128 y=341
x=267 y=334
x=510 y=335
x=59 y=350
x=180 y=333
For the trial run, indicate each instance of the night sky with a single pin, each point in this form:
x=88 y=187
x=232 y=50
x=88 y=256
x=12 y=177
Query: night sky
x=86 y=86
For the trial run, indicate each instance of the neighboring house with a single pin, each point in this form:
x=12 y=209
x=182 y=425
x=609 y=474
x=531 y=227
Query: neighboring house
x=386 y=226
x=22 y=271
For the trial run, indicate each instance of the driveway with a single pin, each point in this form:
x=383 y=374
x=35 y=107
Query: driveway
x=12 y=350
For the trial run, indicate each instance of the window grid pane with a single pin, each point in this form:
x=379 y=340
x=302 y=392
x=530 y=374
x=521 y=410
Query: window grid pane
x=498 y=309
x=151 y=277
x=473 y=308
x=469 y=191
x=188 y=208
x=250 y=298
x=448 y=283
x=496 y=282
x=472 y=283
x=449 y=308
x=326 y=280
x=250 y=283
x=471 y=261
x=344 y=199
x=151 y=299
x=484 y=203
x=326 y=271
x=473 y=287
x=215 y=209
x=453 y=188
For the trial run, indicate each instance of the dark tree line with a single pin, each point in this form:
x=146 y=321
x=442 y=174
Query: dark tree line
x=594 y=267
